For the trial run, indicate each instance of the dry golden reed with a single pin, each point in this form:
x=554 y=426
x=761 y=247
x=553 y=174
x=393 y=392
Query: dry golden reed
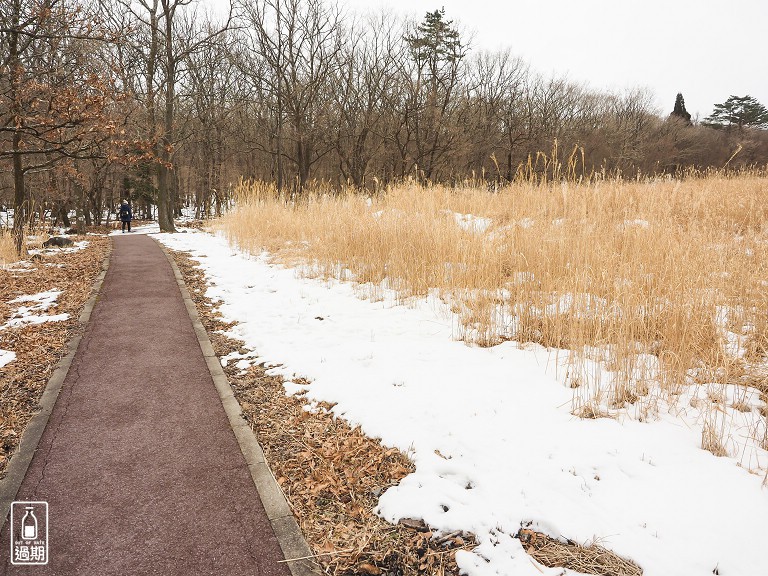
x=618 y=271
x=8 y=252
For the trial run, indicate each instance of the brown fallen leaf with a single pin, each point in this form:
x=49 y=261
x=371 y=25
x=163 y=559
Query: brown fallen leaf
x=414 y=523
x=367 y=568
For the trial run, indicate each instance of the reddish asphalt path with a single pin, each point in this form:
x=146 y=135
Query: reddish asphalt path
x=138 y=463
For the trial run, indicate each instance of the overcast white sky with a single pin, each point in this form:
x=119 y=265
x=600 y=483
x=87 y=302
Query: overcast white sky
x=706 y=49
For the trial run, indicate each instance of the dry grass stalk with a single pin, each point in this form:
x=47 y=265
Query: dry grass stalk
x=587 y=559
x=8 y=252
x=711 y=440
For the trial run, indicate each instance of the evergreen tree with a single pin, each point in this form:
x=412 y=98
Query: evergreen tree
x=739 y=111
x=437 y=51
x=436 y=41
x=680 y=111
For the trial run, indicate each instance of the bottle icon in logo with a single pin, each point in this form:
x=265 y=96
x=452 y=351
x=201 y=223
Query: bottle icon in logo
x=29 y=525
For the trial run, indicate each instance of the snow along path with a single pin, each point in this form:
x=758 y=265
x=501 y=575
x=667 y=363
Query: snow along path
x=490 y=429
x=38 y=303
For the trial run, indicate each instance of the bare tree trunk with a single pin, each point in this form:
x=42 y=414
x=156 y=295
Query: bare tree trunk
x=19 y=191
x=164 y=176
x=279 y=135
x=19 y=197
x=216 y=176
x=80 y=210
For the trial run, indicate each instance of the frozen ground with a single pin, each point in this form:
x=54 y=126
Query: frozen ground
x=491 y=431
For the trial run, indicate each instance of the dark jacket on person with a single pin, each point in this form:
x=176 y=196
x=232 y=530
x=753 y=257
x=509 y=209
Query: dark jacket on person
x=125 y=212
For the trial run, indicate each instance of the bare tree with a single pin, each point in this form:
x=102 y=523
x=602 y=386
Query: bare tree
x=496 y=84
x=213 y=91
x=437 y=52
x=632 y=117
x=292 y=48
x=363 y=93
x=168 y=32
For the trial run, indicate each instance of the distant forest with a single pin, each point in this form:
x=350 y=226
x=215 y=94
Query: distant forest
x=158 y=101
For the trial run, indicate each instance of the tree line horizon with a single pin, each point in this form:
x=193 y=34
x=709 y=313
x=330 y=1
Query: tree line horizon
x=162 y=103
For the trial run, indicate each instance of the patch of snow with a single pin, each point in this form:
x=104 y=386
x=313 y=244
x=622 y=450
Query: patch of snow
x=6 y=357
x=637 y=223
x=44 y=299
x=391 y=212
x=734 y=343
x=582 y=305
x=523 y=277
x=292 y=388
x=472 y=223
x=21 y=266
x=75 y=247
x=29 y=314
x=152 y=228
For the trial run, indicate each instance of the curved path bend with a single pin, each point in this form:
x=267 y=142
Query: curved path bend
x=138 y=462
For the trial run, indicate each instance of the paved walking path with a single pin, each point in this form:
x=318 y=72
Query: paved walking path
x=138 y=462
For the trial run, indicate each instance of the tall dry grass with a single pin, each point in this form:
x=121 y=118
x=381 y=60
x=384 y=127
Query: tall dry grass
x=8 y=252
x=662 y=280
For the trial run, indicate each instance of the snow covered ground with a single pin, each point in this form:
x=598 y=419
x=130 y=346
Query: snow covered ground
x=30 y=308
x=6 y=357
x=491 y=431
x=31 y=311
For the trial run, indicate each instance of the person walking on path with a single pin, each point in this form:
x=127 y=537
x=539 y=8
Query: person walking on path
x=125 y=215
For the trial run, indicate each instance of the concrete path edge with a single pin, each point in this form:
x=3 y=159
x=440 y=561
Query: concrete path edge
x=297 y=552
x=30 y=438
